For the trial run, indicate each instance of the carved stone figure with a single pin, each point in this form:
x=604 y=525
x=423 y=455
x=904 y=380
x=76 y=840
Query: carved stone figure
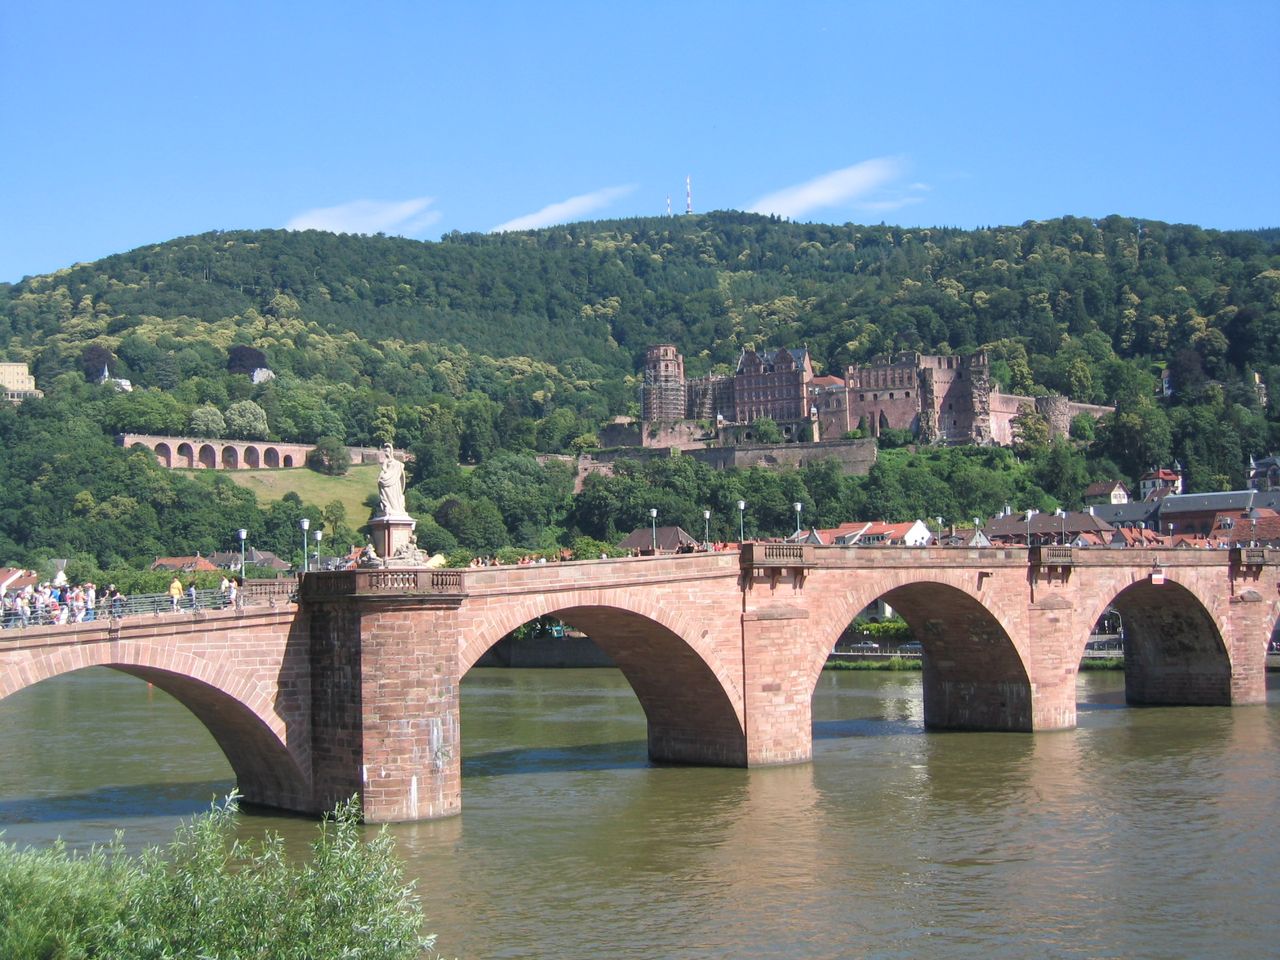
x=391 y=482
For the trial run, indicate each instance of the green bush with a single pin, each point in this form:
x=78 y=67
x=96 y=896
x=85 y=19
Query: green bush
x=210 y=895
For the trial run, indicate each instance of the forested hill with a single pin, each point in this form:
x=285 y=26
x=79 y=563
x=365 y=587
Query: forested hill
x=482 y=350
x=712 y=284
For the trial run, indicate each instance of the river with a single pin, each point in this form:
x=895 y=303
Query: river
x=1142 y=833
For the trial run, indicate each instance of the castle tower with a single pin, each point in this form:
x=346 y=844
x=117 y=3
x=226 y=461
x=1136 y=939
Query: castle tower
x=662 y=397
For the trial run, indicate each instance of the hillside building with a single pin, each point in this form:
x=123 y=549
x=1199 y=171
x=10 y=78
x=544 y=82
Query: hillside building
x=939 y=399
x=17 y=382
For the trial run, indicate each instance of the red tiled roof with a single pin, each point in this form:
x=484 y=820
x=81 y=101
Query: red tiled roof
x=184 y=564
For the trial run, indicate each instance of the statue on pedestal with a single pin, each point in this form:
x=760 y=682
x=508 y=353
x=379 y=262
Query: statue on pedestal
x=391 y=483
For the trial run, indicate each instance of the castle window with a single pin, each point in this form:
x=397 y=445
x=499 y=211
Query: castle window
x=907 y=394
x=890 y=394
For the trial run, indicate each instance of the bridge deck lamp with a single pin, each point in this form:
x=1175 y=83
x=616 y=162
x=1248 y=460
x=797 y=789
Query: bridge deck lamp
x=653 y=523
x=1028 y=517
x=319 y=534
x=243 y=534
x=305 y=523
x=742 y=511
x=797 y=507
x=706 y=526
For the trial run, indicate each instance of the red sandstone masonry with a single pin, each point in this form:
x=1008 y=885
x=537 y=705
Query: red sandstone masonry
x=361 y=691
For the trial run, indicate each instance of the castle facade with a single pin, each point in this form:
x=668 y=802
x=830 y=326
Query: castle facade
x=939 y=399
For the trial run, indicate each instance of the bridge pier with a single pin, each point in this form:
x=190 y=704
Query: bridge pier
x=385 y=706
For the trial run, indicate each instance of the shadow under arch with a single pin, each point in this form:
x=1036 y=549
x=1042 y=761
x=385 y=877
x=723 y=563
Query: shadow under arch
x=974 y=677
x=1174 y=653
x=691 y=717
x=267 y=772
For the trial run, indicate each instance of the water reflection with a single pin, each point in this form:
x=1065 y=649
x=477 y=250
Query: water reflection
x=1143 y=833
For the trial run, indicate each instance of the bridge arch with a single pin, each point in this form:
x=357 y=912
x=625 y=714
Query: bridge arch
x=691 y=702
x=252 y=456
x=975 y=673
x=1174 y=648
x=238 y=714
x=230 y=457
x=186 y=455
x=208 y=457
x=164 y=454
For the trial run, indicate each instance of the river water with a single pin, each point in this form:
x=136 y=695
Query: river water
x=1143 y=833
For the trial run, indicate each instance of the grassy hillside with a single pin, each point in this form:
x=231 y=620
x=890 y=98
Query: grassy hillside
x=314 y=488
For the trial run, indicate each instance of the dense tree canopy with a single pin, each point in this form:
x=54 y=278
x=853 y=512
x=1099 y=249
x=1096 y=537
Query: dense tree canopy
x=478 y=351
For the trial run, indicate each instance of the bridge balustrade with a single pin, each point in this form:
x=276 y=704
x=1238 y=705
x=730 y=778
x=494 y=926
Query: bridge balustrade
x=385 y=581
x=1053 y=555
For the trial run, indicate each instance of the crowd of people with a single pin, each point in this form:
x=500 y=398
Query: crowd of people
x=50 y=603
x=47 y=604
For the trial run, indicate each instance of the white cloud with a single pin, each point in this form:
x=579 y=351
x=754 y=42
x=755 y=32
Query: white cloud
x=846 y=185
x=565 y=210
x=405 y=218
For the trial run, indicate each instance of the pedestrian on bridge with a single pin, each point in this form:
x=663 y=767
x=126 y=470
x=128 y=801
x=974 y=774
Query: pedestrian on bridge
x=175 y=594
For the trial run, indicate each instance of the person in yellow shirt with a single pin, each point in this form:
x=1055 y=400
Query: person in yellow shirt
x=175 y=594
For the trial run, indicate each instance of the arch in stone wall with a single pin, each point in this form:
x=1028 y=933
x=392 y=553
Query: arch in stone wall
x=163 y=454
x=691 y=702
x=186 y=456
x=230 y=459
x=1175 y=653
x=252 y=456
x=271 y=457
x=287 y=460
x=239 y=715
x=208 y=457
x=975 y=672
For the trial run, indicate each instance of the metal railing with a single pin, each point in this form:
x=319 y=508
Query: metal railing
x=254 y=593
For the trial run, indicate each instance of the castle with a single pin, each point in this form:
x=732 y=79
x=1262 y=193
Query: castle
x=939 y=399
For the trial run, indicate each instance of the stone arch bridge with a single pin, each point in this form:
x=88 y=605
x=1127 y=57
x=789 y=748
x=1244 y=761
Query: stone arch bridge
x=356 y=689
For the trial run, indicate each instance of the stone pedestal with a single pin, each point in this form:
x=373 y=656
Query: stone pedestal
x=392 y=534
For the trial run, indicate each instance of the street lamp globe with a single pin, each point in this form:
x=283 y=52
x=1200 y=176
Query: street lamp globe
x=653 y=523
x=305 y=524
x=797 y=507
x=706 y=526
x=243 y=535
x=742 y=513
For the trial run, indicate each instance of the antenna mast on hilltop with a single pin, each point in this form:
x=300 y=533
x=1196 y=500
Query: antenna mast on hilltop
x=668 y=204
x=688 y=194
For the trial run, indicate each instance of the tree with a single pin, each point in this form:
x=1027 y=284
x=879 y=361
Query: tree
x=207 y=421
x=246 y=421
x=330 y=457
x=243 y=358
x=765 y=430
x=1030 y=431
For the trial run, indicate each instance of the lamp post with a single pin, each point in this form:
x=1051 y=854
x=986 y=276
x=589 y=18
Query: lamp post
x=706 y=527
x=939 y=522
x=797 y=507
x=305 y=523
x=319 y=534
x=653 y=523
x=742 y=512
x=243 y=534
x=1028 y=518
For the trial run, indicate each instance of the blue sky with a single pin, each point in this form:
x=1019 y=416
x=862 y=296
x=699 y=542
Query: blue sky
x=133 y=123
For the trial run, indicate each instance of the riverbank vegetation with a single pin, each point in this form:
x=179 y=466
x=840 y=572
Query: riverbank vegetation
x=879 y=663
x=211 y=895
